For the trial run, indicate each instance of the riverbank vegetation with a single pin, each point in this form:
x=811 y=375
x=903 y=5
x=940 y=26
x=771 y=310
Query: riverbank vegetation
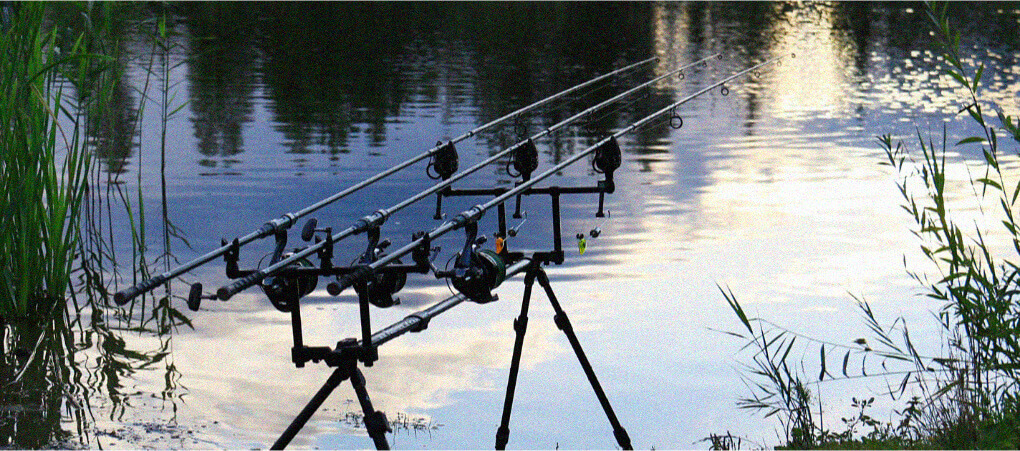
x=63 y=104
x=43 y=174
x=967 y=393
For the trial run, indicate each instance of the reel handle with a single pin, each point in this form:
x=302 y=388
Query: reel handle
x=309 y=230
x=195 y=296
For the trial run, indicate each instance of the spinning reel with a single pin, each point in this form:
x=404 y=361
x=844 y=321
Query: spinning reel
x=477 y=271
x=379 y=286
x=284 y=291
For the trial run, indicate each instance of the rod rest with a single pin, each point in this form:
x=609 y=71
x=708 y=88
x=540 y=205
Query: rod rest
x=608 y=157
x=444 y=161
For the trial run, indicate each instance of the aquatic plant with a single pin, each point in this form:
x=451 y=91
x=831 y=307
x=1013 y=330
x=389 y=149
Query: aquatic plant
x=969 y=394
x=44 y=166
x=51 y=80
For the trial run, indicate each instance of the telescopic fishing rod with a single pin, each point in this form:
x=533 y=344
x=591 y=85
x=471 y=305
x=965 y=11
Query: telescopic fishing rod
x=374 y=220
x=473 y=214
x=283 y=223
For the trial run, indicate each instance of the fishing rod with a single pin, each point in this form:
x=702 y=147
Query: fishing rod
x=283 y=223
x=374 y=220
x=476 y=273
x=471 y=215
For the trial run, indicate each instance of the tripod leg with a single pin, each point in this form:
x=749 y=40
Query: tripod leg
x=520 y=327
x=334 y=380
x=563 y=323
x=375 y=422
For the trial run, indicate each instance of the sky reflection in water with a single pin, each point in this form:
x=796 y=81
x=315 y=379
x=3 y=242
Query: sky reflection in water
x=773 y=191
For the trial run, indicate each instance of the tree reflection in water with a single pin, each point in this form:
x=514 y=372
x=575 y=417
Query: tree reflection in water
x=332 y=78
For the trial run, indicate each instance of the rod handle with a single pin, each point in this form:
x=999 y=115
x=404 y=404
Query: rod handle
x=347 y=280
x=122 y=297
x=226 y=291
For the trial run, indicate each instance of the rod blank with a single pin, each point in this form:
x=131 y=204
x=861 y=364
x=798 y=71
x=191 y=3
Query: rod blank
x=474 y=213
x=287 y=220
x=227 y=291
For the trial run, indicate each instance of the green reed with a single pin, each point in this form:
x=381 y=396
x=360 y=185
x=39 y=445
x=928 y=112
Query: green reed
x=57 y=229
x=50 y=81
x=967 y=395
x=44 y=166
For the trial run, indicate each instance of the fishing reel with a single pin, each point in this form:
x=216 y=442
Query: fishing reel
x=484 y=272
x=477 y=271
x=284 y=291
x=378 y=286
x=382 y=285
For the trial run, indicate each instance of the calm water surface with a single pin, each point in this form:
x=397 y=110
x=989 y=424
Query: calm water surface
x=774 y=191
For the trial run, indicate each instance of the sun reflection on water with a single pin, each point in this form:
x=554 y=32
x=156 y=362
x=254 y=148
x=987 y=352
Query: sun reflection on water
x=814 y=79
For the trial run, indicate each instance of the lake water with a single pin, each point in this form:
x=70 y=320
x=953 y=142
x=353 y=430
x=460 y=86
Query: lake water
x=774 y=191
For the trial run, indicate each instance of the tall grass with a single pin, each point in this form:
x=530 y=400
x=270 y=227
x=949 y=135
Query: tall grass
x=43 y=163
x=51 y=82
x=968 y=394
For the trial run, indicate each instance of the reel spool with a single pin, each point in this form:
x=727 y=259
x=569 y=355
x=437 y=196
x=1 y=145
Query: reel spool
x=383 y=286
x=284 y=292
x=487 y=271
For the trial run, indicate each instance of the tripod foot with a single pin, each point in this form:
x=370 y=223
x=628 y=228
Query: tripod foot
x=377 y=427
x=622 y=438
x=502 y=437
x=375 y=421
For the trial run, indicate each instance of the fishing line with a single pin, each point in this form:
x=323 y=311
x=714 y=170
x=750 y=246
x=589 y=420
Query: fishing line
x=477 y=211
x=589 y=124
x=570 y=104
